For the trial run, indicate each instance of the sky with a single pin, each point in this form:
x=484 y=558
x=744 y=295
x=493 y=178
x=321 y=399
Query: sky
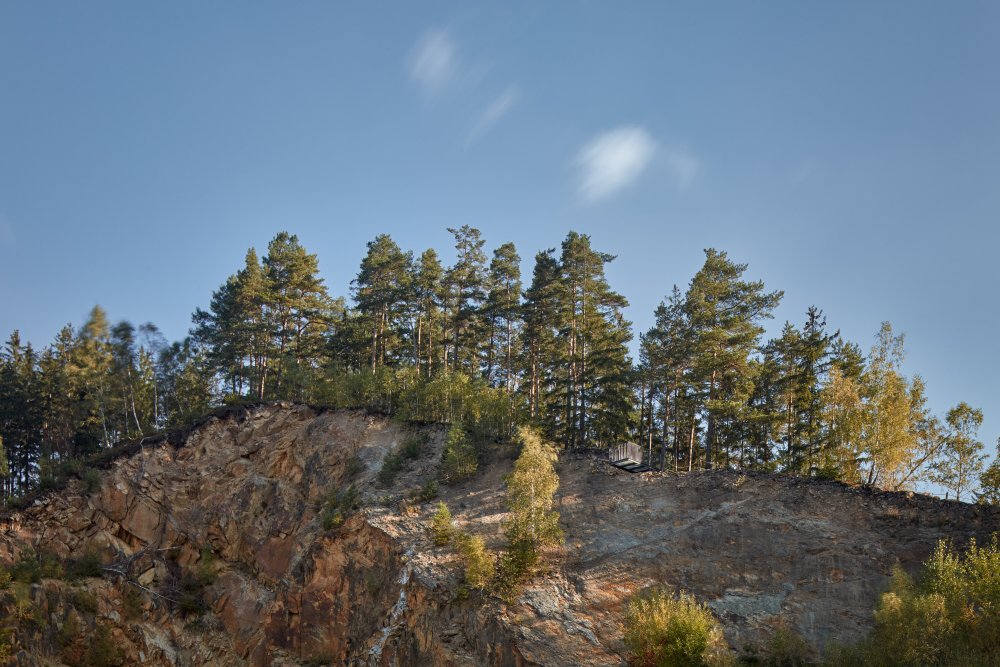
x=848 y=152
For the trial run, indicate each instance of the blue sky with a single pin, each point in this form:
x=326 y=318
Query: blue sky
x=849 y=152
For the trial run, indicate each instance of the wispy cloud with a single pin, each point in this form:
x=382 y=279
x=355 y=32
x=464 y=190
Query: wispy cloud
x=434 y=61
x=684 y=168
x=612 y=161
x=496 y=110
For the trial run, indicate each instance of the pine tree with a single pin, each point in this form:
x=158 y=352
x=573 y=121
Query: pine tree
x=538 y=341
x=593 y=371
x=428 y=294
x=300 y=311
x=724 y=312
x=382 y=292
x=503 y=316
x=465 y=285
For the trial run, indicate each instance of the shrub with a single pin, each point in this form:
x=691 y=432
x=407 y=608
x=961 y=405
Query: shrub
x=102 y=650
x=91 y=478
x=479 y=562
x=787 y=649
x=662 y=631
x=458 y=461
x=392 y=465
x=441 y=525
x=32 y=567
x=338 y=506
x=428 y=491
x=412 y=447
x=355 y=466
x=84 y=601
x=131 y=604
x=514 y=565
x=87 y=565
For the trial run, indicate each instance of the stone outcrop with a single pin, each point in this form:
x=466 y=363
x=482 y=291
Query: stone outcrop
x=230 y=519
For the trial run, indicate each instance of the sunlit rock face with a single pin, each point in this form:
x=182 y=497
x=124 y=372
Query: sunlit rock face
x=241 y=497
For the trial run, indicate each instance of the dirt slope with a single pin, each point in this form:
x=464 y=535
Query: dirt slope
x=241 y=497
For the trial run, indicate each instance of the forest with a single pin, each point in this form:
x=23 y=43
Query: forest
x=478 y=345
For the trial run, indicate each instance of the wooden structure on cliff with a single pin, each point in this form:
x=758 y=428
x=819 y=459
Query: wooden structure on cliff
x=628 y=457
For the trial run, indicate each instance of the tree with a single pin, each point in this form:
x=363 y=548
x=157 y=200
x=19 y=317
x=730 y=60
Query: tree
x=381 y=292
x=502 y=312
x=724 y=312
x=428 y=295
x=531 y=488
x=989 y=482
x=465 y=285
x=538 y=341
x=592 y=371
x=961 y=458
x=300 y=311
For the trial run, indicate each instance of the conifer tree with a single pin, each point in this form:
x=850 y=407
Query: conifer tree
x=724 y=312
x=381 y=292
x=465 y=285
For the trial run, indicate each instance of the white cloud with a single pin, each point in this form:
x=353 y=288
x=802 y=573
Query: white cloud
x=684 y=168
x=612 y=161
x=497 y=109
x=433 y=62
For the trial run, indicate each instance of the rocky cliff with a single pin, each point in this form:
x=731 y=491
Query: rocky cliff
x=213 y=551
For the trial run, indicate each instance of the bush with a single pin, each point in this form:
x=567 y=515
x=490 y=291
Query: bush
x=951 y=616
x=392 y=465
x=514 y=565
x=84 y=601
x=31 y=568
x=441 y=525
x=102 y=651
x=787 y=649
x=91 y=478
x=131 y=604
x=459 y=460
x=479 y=562
x=428 y=491
x=662 y=631
x=87 y=565
x=338 y=506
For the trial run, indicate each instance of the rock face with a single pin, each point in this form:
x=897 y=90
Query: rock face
x=230 y=519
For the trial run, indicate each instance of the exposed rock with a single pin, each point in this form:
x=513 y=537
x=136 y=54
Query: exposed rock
x=239 y=501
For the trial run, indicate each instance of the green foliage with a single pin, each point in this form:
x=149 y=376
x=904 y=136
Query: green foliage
x=479 y=562
x=193 y=583
x=531 y=488
x=786 y=649
x=989 y=482
x=338 y=507
x=86 y=565
x=102 y=651
x=392 y=465
x=32 y=567
x=458 y=460
x=515 y=564
x=949 y=617
x=131 y=604
x=354 y=467
x=441 y=525
x=84 y=601
x=428 y=491
x=666 y=631
x=91 y=479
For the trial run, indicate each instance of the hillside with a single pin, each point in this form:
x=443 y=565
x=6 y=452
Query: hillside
x=228 y=517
